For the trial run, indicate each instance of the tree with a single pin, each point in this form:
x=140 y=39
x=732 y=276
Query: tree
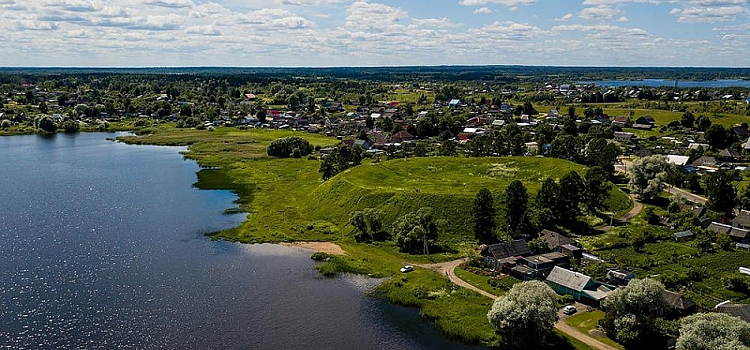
x=343 y=157
x=647 y=176
x=516 y=210
x=716 y=136
x=526 y=315
x=70 y=126
x=415 y=232
x=602 y=154
x=571 y=111
x=713 y=331
x=597 y=188
x=546 y=203
x=484 y=217
x=447 y=148
x=368 y=225
x=722 y=196
x=565 y=147
x=688 y=120
x=539 y=245
x=45 y=123
x=569 y=197
x=284 y=147
x=631 y=312
x=703 y=123
x=744 y=198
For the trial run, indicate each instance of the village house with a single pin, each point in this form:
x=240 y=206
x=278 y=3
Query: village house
x=623 y=136
x=584 y=289
x=560 y=243
x=737 y=234
x=679 y=305
x=496 y=254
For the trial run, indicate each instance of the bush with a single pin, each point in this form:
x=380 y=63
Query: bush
x=70 y=126
x=321 y=256
x=285 y=147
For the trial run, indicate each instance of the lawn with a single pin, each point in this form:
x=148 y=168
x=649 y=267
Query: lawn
x=587 y=321
x=482 y=282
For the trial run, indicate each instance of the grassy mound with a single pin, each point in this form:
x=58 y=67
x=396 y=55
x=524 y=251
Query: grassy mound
x=448 y=185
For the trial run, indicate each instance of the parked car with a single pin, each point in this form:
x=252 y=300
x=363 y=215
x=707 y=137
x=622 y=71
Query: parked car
x=569 y=310
x=407 y=268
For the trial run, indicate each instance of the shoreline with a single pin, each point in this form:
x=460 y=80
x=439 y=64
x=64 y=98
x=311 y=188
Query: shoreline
x=324 y=247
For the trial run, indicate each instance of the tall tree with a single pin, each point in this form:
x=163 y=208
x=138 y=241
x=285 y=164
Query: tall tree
x=597 y=188
x=484 y=217
x=717 y=136
x=569 y=197
x=546 y=203
x=688 y=120
x=526 y=315
x=722 y=196
x=517 y=219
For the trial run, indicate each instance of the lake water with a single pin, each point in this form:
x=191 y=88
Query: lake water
x=102 y=247
x=670 y=83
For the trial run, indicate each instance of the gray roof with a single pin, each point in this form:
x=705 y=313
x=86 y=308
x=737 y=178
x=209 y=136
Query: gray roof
x=719 y=228
x=739 y=310
x=505 y=249
x=677 y=300
x=742 y=219
x=555 y=239
x=683 y=234
x=566 y=278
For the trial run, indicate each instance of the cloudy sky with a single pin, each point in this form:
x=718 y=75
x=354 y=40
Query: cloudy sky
x=374 y=33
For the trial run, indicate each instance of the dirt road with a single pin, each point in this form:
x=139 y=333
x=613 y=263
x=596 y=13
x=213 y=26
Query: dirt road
x=448 y=269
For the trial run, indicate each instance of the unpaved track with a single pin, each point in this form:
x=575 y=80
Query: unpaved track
x=448 y=269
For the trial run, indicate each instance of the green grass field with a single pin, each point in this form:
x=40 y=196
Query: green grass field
x=587 y=321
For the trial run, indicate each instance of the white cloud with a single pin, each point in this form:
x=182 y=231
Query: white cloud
x=709 y=14
x=566 y=17
x=508 y=3
x=483 y=10
x=599 y=12
x=176 y=4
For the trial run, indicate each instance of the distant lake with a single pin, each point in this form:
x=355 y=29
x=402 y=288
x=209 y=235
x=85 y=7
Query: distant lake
x=669 y=83
x=102 y=246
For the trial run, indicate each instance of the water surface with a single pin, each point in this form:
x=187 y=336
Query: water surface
x=671 y=83
x=102 y=247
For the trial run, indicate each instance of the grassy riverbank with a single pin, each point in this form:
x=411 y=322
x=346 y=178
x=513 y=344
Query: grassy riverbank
x=286 y=200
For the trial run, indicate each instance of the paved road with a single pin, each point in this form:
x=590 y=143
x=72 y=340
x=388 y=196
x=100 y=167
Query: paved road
x=448 y=269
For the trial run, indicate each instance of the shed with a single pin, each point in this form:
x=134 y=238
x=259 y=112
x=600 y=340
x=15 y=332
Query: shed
x=683 y=236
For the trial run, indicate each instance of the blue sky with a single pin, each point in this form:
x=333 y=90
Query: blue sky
x=374 y=33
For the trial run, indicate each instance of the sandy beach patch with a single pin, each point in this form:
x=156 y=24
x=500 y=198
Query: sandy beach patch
x=325 y=247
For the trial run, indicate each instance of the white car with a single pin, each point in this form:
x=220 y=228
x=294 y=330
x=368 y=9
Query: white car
x=569 y=310
x=407 y=268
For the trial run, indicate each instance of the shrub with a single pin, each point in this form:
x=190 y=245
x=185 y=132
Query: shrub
x=284 y=148
x=321 y=256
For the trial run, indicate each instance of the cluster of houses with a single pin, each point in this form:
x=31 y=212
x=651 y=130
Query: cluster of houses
x=516 y=259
